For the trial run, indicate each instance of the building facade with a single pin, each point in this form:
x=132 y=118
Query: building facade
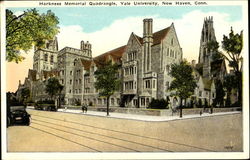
x=209 y=69
x=144 y=69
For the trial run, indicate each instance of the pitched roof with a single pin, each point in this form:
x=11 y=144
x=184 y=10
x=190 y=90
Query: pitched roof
x=115 y=54
x=157 y=36
x=160 y=35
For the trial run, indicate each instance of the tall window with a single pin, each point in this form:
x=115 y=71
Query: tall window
x=167 y=68
x=46 y=57
x=147 y=84
x=51 y=59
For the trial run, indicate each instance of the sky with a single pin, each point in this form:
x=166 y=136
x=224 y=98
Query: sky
x=107 y=28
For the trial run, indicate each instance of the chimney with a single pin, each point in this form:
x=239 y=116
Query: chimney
x=147 y=27
x=147 y=42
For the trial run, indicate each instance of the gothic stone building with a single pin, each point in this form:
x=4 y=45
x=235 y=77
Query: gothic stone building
x=145 y=64
x=210 y=69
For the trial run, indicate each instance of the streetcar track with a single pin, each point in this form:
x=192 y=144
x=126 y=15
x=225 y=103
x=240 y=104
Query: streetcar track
x=107 y=136
x=129 y=133
x=65 y=139
x=88 y=137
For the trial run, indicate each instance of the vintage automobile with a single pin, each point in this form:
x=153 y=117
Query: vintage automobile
x=47 y=105
x=18 y=115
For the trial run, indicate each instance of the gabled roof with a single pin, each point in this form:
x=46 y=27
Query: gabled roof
x=157 y=36
x=160 y=35
x=115 y=54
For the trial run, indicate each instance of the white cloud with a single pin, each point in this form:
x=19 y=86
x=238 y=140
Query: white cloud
x=18 y=13
x=188 y=30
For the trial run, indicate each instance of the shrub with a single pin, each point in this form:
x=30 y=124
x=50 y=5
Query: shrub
x=158 y=104
x=228 y=102
x=90 y=103
x=77 y=102
x=236 y=104
x=199 y=105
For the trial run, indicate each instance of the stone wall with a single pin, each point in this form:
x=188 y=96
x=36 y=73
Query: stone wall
x=156 y=112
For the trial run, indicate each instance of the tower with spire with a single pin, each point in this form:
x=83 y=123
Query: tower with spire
x=207 y=36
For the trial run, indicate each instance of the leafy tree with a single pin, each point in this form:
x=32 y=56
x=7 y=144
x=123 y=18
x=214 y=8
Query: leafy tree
x=183 y=83
x=158 y=104
x=26 y=30
x=213 y=47
x=25 y=94
x=230 y=82
x=53 y=87
x=233 y=44
x=220 y=93
x=107 y=80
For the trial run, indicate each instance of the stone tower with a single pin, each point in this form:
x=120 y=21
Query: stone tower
x=86 y=47
x=207 y=35
x=46 y=58
x=147 y=43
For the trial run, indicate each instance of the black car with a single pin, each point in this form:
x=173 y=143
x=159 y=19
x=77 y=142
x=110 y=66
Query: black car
x=18 y=115
x=46 y=105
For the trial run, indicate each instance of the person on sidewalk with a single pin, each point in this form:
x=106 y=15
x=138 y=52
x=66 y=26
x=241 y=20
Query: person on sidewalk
x=84 y=108
x=65 y=108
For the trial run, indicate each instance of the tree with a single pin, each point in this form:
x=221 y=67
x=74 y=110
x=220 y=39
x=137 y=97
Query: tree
x=25 y=94
x=230 y=82
x=233 y=44
x=26 y=30
x=108 y=81
x=220 y=93
x=183 y=83
x=53 y=87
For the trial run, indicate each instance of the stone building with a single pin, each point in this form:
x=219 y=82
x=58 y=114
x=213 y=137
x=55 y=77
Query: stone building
x=144 y=69
x=69 y=75
x=208 y=69
x=145 y=64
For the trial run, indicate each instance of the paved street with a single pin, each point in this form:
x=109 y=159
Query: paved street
x=78 y=132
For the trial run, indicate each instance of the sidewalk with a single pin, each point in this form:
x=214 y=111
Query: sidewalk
x=143 y=117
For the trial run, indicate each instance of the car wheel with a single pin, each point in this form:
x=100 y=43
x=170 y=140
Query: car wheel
x=28 y=121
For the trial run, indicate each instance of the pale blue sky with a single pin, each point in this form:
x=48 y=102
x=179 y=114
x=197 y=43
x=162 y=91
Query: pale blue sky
x=95 y=18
